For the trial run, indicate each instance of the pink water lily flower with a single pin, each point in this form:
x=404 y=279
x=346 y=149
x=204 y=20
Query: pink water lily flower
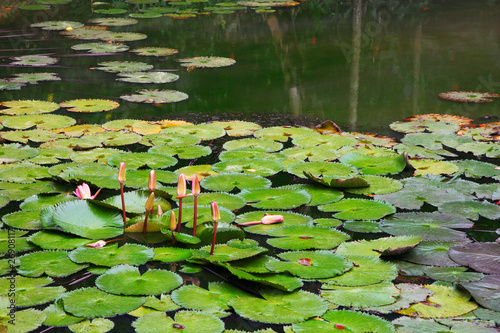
x=83 y=192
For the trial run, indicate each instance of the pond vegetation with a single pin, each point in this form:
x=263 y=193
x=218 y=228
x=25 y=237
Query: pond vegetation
x=230 y=226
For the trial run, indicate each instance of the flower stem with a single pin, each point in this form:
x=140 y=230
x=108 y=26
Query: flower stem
x=195 y=214
x=173 y=238
x=180 y=216
x=213 y=239
x=145 y=222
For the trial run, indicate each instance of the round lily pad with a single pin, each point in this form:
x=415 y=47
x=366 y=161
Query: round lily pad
x=185 y=153
x=486 y=291
x=56 y=240
x=305 y=237
x=92 y=303
x=123 y=66
x=379 y=247
x=452 y=274
x=188 y=321
x=432 y=253
x=156 y=96
x=148 y=77
x=275 y=198
x=204 y=132
x=15 y=152
x=34 y=60
x=154 y=51
x=57 y=25
x=89 y=105
x=329 y=169
x=97 y=325
x=31 y=291
x=468 y=96
x=471 y=209
x=52 y=263
x=375 y=165
x=319 y=195
x=289 y=219
x=24 y=174
x=56 y=316
x=206 y=62
x=253 y=166
x=113 y=22
x=171 y=254
x=266 y=145
x=229 y=181
x=123 y=36
x=423 y=126
x=101 y=47
x=236 y=127
x=171 y=140
x=44 y=121
x=482 y=257
x=359 y=209
x=28 y=220
x=250 y=152
x=283 y=133
x=152 y=282
x=378 y=294
x=34 y=78
x=137 y=160
x=111 y=255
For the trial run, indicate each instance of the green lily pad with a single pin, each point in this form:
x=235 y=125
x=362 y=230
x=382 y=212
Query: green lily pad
x=331 y=141
x=38 y=202
x=51 y=155
x=446 y=302
x=319 y=195
x=378 y=294
x=72 y=143
x=282 y=281
x=203 y=215
x=206 y=62
x=310 y=264
x=204 y=132
x=123 y=66
x=114 y=138
x=432 y=253
x=56 y=316
x=436 y=140
x=325 y=169
x=89 y=219
x=123 y=36
x=471 y=209
x=228 y=252
x=97 y=325
x=362 y=226
x=289 y=219
x=15 y=191
x=215 y=298
x=134 y=201
x=155 y=51
x=171 y=254
x=254 y=264
x=477 y=169
x=250 y=152
x=423 y=126
x=486 y=291
x=226 y=200
x=421 y=152
x=410 y=294
x=152 y=282
x=251 y=143
x=34 y=78
x=359 y=209
x=156 y=96
x=188 y=321
x=111 y=11
x=236 y=127
x=366 y=271
x=25 y=320
x=31 y=291
x=229 y=181
x=89 y=105
x=7 y=84
x=430 y=226
x=171 y=140
x=311 y=154
x=186 y=153
x=379 y=247
x=345 y=320
x=306 y=237
x=433 y=167
x=375 y=165
x=482 y=257
x=113 y=22
x=92 y=303
x=148 y=77
x=111 y=255
x=101 y=47
x=24 y=174
x=21 y=245
x=283 y=133
x=281 y=307
x=34 y=60
x=42 y=121
x=15 y=152
x=100 y=155
x=52 y=263
x=56 y=240
x=452 y=274
x=275 y=198
x=27 y=220
x=57 y=25
x=138 y=160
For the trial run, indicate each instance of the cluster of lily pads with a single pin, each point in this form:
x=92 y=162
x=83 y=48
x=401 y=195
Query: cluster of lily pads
x=318 y=230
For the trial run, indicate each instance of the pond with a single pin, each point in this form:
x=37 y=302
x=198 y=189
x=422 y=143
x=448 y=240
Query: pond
x=386 y=232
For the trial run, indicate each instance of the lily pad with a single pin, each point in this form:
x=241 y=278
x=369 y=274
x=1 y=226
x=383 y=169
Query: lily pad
x=52 y=263
x=188 y=321
x=152 y=282
x=359 y=209
x=137 y=160
x=24 y=174
x=27 y=220
x=281 y=307
x=185 y=153
x=56 y=316
x=237 y=127
x=206 y=62
x=432 y=253
x=113 y=22
x=34 y=78
x=375 y=165
x=325 y=169
x=97 y=325
x=486 y=291
x=111 y=255
x=154 y=51
x=148 y=77
x=101 y=47
x=283 y=133
x=204 y=132
x=28 y=107
x=31 y=291
x=56 y=240
x=468 y=96
x=134 y=201
x=430 y=226
x=171 y=254
x=416 y=126
x=477 y=169
x=482 y=257
x=432 y=167
x=275 y=198
x=156 y=96
x=89 y=105
x=25 y=320
x=92 y=302
x=452 y=274
x=57 y=25
x=379 y=247
x=43 y=121
x=249 y=143
x=34 y=60
x=305 y=237
x=471 y=209
x=229 y=181
x=289 y=219
x=378 y=294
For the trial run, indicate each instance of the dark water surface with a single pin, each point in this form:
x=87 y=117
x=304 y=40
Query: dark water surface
x=361 y=64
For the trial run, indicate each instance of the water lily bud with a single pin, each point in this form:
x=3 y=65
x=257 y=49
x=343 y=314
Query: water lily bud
x=173 y=221
x=152 y=181
x=159 y=211
x=181 y=185
x=83 y=192
x=270 y=219
x=121 y=173
x=97 y=245
x=215 y=211
x=150 y=202
x=195 y=186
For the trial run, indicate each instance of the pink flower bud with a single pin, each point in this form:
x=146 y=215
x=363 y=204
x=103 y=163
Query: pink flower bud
x=97 y=245
x=83 y=192
x=150 y=202
x=270 y=219
x=181 y=185
x=159 y=211
x=173 y=221
x=152 y=181
x=215 y=211
x=195 y=186
x=121 y=173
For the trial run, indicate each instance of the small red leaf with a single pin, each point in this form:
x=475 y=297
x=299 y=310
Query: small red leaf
x=305 y=237
x=339 y=326
x=305 y=261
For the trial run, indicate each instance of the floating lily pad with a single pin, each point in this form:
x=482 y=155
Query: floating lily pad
x=31 y=291
x=477 y=169
x=362 y=226
x=137 y=160
x=43 y=121
x=289 y=219
x=171 y=140
x=281 y=307
x=34 y=60
x=446 y=302
x=266 y=145
x=101 y=47
x=97 y=325
x=359 y=209
x=123 y=36
x=468 y=96
x=257 y=166
x=152 y=282
x=156 y=96
x=482 y=257
x=134 y=201
x=92 y=303
x=229 y=181
x=410 y=294
x=275 y=198
x=486 y=291
x=56 y=240
x=319 y=195
x=28 y=107
x=471 y=209
x=311 y=154
x=430 y=226
x=154 y=51
x=34 y=78
x=379 y=247
x=306 y=237
x=206 y=62
x=171 y=254
x=185 y=153
x=338 y=182
x=375 y=165
x=111 y=255
x=376 y=185
x=332 y=141
x=56 y=316
x=283 y=133
x=37 y=135
x=113 y=22
x=123 y=66
x=310 y=264
x=52 y=263
x=436 y=140
x=378 y=294
x=345 y=320
x=204 y=132
x=89 y=105
x=100 y=155
x=28 y=220
x=452 y=274
x=188 y=321
x=432 y=167
x=113 y=138
x=15 y=191
x=148 y=77
x=25 y=320
x=236 y=127
x=7 y=84
x=146 y=15
x=432 y=253
x=250 y=152
x=416 y=126
x=24 y=174
x=325 y=169
x=111 y=11
x=57 y=25
x=365 y=271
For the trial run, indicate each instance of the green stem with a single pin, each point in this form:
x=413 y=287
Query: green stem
x=195 y=213
x=213 y=239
